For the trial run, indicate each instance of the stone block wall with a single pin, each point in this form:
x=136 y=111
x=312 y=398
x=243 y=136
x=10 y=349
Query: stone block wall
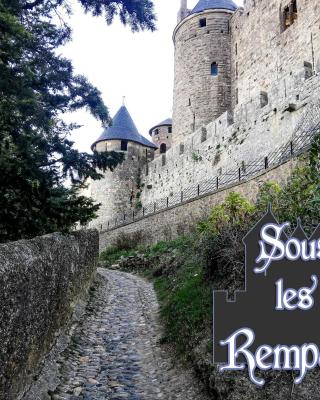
x=181 y=219
x=41 y=280
x=234 y=141
x=265 y=57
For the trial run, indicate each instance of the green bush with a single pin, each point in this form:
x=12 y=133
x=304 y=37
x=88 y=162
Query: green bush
x=235 y=210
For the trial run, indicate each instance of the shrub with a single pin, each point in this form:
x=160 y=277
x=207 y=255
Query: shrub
x=269 y=193
x=235 y=210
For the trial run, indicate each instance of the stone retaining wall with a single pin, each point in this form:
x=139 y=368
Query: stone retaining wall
x=40 y=280
x=181 y=219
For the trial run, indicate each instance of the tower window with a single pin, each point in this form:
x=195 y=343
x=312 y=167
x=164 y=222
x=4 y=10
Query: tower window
x=203 y=135
x=170 y=129
x=264 y=99
x=203 y=22
x=308 y=70
x=156 y=131
x=289 y=15
x=163 y=148
x=124 y=145
x=214 y=69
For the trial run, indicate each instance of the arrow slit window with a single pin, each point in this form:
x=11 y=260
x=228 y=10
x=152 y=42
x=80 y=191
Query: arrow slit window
x=214 y=69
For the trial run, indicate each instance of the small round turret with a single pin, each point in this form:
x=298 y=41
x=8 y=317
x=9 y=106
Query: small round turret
x=162 y=136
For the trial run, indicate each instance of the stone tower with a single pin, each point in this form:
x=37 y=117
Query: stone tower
x=161 y=135
x=119 y=190
x=202 y=84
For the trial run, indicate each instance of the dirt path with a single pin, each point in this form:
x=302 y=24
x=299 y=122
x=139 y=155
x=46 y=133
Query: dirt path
x=114 y=353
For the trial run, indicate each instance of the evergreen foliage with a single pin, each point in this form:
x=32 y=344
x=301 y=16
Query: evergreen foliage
x=38 y=86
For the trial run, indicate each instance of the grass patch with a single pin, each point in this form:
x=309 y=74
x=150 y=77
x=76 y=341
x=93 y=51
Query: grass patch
x=185 y=308
x=178 y=245
x=112 y=255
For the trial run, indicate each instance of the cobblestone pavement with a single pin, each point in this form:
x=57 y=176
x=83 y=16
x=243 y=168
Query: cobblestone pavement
x=115 y=353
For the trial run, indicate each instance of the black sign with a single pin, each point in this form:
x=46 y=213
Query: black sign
x=274 y=323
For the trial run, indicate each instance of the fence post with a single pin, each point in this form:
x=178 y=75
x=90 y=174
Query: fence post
x=155 y=207
x=124 y=216
x=133 y=215
x=239 y=174
x=181 y=196
x=143 y=212
x=217 y=182
x=266 y=163
x=199 y=190
x=291 y=148
x=167 y=202
x=116 y=222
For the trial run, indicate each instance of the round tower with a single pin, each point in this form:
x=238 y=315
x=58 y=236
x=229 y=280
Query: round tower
x=119 y=190
x=202 y=83
x=162 y=136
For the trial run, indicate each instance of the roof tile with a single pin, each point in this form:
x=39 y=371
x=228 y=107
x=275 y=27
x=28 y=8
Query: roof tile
x=123 y=128
x=203 y=5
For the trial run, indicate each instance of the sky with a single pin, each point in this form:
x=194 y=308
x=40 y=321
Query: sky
x=120 y=63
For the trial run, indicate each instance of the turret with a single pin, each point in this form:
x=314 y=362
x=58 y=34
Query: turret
x=119 y=190
x=202 y=85
x=162 y=136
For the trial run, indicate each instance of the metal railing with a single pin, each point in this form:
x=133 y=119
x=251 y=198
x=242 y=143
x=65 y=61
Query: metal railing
x=300 y=143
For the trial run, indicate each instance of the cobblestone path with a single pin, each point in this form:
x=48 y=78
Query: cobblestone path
x=115 y=352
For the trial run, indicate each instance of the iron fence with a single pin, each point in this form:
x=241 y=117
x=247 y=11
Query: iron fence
x=299 y=144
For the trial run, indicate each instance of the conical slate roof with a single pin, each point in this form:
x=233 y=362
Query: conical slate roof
x=166 y=122
x=123 y=128
x=214 y=5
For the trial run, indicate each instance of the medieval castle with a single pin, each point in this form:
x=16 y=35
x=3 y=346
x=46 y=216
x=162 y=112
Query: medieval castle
x=246 y=80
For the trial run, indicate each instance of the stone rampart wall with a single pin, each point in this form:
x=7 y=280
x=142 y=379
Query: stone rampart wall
x=41 y=280
x=234 y=141
x=181 y=219
x=266 y=57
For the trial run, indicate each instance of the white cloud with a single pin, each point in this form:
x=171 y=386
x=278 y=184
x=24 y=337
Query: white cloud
x=120 y=63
